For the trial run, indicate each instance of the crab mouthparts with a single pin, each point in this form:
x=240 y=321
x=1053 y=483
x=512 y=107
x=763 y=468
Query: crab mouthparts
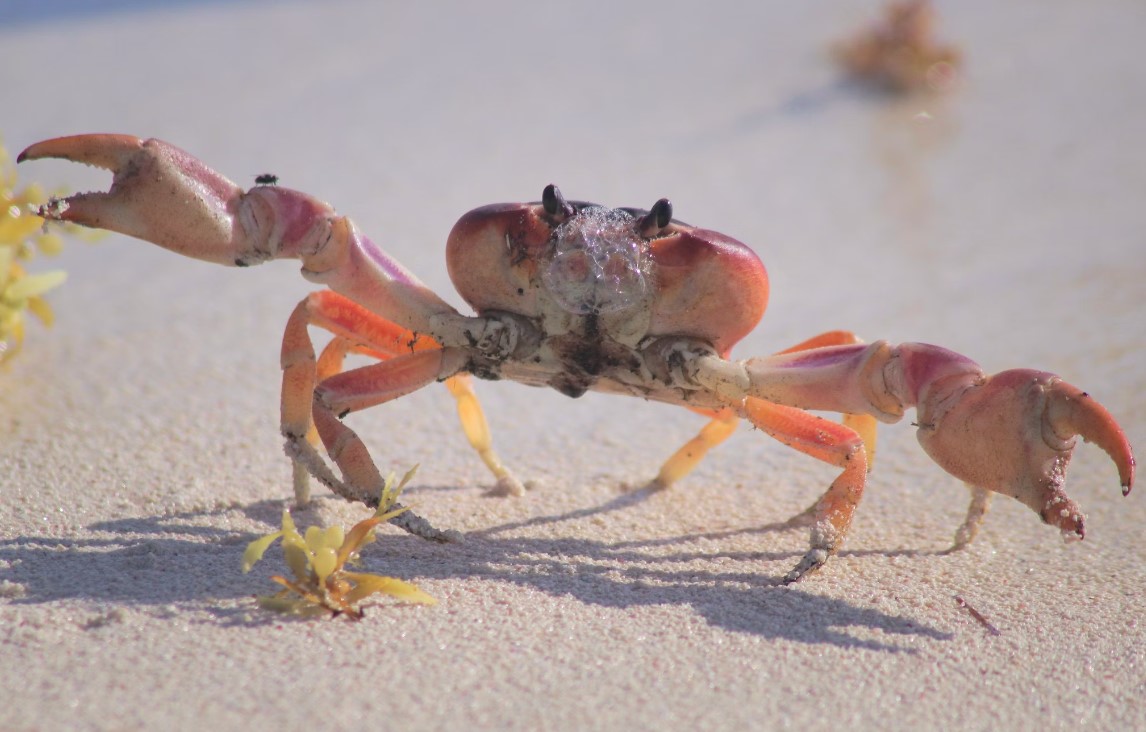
x=598 y=264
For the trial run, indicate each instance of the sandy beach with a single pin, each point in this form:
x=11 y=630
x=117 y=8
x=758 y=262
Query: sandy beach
x=139 y=440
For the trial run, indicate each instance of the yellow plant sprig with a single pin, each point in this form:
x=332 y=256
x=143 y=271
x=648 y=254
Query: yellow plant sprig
x=22 y=236
x=318 y=560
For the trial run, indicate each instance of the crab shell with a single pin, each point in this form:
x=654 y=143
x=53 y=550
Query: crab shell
x=701 y=284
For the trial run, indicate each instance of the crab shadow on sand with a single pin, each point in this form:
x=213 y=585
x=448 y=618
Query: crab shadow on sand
x=193 y=557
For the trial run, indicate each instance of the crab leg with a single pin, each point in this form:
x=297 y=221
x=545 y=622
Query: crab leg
x=721 y=426
x=470 y=412
x=723 y=423
x=477 y=432
x=833 y=443
x=361 y=388
x=358 y=330
x=976 y=512
x=863 y=424
x=162 y=194
x=1011 y=433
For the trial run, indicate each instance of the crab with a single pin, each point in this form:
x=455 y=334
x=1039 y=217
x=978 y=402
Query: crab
x=580 y=297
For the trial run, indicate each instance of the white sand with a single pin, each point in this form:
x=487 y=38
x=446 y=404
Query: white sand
x=138 y=439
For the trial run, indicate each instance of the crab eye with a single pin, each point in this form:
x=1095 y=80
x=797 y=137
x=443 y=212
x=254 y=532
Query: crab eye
x=555 y=204
x=656 y=219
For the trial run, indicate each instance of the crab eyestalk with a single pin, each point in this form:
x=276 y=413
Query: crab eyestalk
x=554 y=203
x=656 y=219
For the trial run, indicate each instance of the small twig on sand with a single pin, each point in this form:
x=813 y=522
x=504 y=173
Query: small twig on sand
x=977 y=615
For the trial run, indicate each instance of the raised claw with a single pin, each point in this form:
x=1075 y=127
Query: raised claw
x=169 y=197
x=159 y=193
x=1014 y=433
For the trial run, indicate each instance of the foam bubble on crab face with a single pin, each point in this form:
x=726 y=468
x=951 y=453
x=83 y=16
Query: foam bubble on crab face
x=597 y=264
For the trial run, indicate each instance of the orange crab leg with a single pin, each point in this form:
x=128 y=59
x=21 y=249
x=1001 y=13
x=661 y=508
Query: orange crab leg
x=830 y=338
x=1012 y=432
x=863 y=424
x=681 y=463
x=358 y=389
x=477 y=432
x=358 y=330
x=300 y=402
x=833 y=443
x=724 y=422
x=470 y=413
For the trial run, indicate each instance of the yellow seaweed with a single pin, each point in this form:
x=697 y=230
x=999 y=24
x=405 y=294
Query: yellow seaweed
x=318 y=558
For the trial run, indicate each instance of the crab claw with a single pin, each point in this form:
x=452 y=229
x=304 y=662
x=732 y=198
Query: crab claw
x=166 y=196
x=159 y=193
x=1014 y=433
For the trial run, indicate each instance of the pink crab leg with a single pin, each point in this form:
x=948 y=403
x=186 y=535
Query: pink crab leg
x=164 y=195
x=976 y=512
x=863 y=424
x=358 y=330
x=833 y=443
x=1011 y=433
x=723 y=423
x=361 y=388
x=470 y=413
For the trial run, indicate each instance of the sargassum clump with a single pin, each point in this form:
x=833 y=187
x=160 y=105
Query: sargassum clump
x=318 y=559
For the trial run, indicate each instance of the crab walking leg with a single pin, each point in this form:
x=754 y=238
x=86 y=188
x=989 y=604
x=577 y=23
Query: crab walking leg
x=724 y=422
x=358 y=330
x=833 y=443
x=332 y=358
x=330 y=362
x=361 y=388
x=828 y=338
x=301 y=374
x=721 y=426
x=374 y=384
x=470 y=413
x=863 y=424
x=164 y=195
x=474 y=427
x=477 y=432
x=304 y=460
x=1011 y=433
x=976 y=512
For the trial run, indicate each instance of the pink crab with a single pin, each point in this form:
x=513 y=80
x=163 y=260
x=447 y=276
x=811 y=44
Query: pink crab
x=579 y=297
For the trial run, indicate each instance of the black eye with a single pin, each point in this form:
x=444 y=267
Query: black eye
x=555 y=204
x=656 y=219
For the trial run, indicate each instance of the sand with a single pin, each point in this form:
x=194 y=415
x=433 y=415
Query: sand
x=139 y=447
